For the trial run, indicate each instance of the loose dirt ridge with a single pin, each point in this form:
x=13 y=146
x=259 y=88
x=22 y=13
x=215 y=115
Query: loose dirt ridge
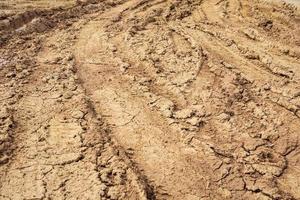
x=151 y=99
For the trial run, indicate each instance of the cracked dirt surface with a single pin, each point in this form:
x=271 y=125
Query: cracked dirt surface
x=150 y=99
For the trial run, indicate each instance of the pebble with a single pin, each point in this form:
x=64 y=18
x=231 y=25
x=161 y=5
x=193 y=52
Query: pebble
x=77 y=114
x=224 y=117
x=68 y=95
x=194 y=121
x=4 y=113
x=10 y=74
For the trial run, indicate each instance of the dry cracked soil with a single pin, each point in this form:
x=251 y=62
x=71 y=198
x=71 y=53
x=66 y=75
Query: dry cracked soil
x=149 y=99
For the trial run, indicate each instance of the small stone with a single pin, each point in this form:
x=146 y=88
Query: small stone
x=10 y=74
x=194 y=121
x=250 y=33
x=72 y=86
x=55 y=60
x=267 y=87
x=224 y=117
x=4 y=113
x=285 y=50
x=68 y=95
x=166 y=107
x=248 y=169
x=69 y=57
x=124 y=67
x=113 y=48
x=77 y=114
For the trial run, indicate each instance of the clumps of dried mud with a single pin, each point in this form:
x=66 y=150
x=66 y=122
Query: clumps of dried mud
x=6 y=125
x=159 y=99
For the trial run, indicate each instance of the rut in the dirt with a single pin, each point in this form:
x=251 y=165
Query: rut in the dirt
x=160 y=99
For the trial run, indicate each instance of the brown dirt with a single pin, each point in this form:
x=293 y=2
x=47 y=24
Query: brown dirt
x=149 y=99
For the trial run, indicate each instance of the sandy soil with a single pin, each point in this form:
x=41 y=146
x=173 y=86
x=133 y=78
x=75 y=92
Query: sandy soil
x=149 y=99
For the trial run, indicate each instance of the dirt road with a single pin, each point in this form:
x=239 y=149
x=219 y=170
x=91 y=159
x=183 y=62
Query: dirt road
x=150 y=99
